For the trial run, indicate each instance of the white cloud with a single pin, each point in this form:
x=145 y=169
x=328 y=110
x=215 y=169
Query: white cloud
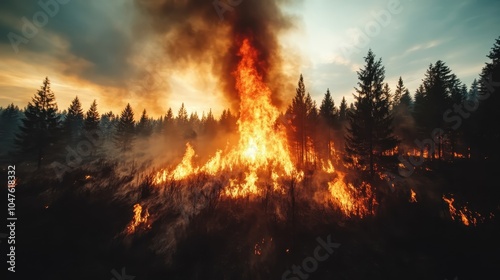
x=424 y=46
x=341 y=60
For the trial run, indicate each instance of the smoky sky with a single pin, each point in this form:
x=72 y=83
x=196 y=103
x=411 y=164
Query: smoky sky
x=210 y=32
x=186 y=34
x=93 y=41
x=90 y=34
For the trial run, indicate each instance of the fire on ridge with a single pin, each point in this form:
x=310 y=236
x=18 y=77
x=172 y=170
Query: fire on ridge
x=261 y=155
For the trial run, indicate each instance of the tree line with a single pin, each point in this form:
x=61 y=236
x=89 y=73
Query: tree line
x=443 y=119
x=39 y=132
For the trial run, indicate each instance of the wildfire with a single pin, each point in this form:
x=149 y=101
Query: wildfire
x=262 y=149
x=328 y=166
x=139 y=218
x=182 y=170
x=261 y=158
x=466 y=216
x=349 y=199
x=413 y=196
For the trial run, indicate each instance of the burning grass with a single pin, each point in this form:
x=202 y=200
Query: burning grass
x=463 y=214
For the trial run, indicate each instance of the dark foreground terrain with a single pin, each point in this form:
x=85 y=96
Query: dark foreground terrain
x=74 y=229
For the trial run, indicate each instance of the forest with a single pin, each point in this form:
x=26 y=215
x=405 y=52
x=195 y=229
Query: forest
x=402 y=181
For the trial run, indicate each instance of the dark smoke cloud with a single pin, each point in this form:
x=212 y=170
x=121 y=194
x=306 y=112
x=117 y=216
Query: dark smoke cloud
x=130 y=49
x=207 y=35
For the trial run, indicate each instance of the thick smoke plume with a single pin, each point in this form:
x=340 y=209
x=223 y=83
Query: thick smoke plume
x=206 y=35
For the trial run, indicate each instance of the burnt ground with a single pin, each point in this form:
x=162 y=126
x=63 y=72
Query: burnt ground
x=66 y=231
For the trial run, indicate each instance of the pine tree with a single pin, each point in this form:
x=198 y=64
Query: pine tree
x=473 y=93
x=327 y=109
x=343 y=110
x=125 y=130
x=182 y=124
x=398 y=93
x=228 y=121
x=108 y=125
x=91 y=127
x=194 y=122
x=328 y=121
x=471 y=130
x=41 y=125
x=168 y=120
x=92 y=119
x=419 y=106
x=436 y=99
x=73 y=123
x=298 y=112
x=402 y=113
x=182 y=117
x=312 y=118
x=488 y=113
x=144 y=127
x=370 y=131
x=209 y=124
x=342 y=121
x=386 y=91
x=458 y=95
x=457 y=91
x=406 y=99
x=9 y=126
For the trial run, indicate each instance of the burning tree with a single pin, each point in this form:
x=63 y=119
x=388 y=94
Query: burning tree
x=303 y=113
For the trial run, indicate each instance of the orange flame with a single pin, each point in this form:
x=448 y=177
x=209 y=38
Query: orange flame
x=349 y=199
x=261 y=157
x=466 y=216
x=413 y=196
x=184 y=169
x=261 y=146
x=138 y=219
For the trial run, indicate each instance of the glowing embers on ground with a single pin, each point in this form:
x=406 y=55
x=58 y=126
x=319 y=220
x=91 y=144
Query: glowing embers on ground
x=262 y=247
x=261 y=153
x=413 y=196
x=463 y=214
